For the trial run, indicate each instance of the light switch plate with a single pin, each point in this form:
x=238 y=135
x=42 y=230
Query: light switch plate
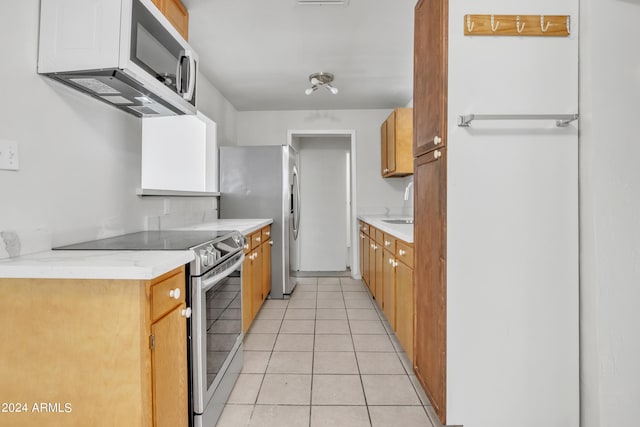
x=9 y=155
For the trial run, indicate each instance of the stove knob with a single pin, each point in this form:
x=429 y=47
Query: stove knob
x=203 y=258
x=211 y=258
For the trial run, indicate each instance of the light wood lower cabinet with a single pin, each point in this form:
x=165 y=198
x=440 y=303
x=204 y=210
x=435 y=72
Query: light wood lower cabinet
x=95 y=352
x=389 y=268
x=256 y=274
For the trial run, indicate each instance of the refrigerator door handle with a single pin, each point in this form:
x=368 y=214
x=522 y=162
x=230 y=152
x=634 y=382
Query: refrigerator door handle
x=295 y=196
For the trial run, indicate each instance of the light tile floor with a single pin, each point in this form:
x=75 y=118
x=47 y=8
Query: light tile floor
x=325 y=358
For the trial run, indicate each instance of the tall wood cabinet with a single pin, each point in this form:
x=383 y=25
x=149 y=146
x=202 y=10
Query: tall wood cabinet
x=430 y=199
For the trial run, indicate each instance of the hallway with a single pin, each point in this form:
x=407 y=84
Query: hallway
x=325 y=358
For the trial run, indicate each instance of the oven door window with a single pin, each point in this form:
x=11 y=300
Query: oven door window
x=224 y=323
x=155 y=50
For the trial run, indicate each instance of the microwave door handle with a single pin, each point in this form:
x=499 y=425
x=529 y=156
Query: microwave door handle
x=192 y=76
x=179 y=73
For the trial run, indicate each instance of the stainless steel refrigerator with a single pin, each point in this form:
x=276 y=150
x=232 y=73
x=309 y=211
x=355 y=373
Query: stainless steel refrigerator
x=262 y=182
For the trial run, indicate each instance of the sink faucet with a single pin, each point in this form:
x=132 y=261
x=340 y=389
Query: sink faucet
x=407 y=190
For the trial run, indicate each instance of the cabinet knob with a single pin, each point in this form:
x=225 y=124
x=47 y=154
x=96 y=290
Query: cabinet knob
x=437 y=140
x=395 y=263
x=402 y=252
x=361 y=236
x=391 y=261
x=385 y=170
x=175 y=293
x=186 y=312
x=271 y=242
x=387 y=243
x=246 y=246
x=258 y=239
x=437 y=154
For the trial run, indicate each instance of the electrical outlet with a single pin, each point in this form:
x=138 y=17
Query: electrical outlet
x=9 y=155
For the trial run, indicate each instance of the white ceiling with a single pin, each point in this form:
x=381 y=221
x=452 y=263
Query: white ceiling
x=259 y=53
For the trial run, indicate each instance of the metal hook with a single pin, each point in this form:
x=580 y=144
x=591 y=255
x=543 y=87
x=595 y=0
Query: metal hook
x=569 y=25
x=470 y=24
x=518 y=27
x=544 y=27
x=494 y=27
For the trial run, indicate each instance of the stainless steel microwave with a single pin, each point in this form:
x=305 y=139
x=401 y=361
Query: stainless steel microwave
x=122 y=52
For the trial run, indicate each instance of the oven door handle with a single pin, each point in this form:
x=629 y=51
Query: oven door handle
x=209 y=282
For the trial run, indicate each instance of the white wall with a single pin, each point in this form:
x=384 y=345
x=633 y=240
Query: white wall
x=610 y=212
x=79 y=158
x=375 y=195
x=512 y=224
x=323 y=195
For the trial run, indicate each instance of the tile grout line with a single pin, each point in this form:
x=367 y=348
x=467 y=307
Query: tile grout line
x=355 y=355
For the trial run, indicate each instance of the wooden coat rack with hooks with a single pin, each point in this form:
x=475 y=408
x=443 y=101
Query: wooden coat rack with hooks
x=517 y=25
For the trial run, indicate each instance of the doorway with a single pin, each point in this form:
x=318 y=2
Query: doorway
x=326 y=163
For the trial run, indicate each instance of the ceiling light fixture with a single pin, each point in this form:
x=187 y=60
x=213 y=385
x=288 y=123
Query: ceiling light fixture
x=321 y=80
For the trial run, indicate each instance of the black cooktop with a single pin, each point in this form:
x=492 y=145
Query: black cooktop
x=167 y=240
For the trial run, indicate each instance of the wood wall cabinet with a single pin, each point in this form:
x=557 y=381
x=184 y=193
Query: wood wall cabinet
x=114 y=350
x=176 y=13
x=396 y=143
x=256 y=274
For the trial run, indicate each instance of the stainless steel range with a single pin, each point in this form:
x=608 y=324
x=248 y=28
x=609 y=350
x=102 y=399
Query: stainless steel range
x=215 y=327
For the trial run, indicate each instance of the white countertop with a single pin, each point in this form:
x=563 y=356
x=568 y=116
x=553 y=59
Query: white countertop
x=244 y=226
x=400 y=231
x=122 y=265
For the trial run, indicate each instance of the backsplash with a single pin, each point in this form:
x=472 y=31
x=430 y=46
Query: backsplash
x=14 y=243
x=178 y=213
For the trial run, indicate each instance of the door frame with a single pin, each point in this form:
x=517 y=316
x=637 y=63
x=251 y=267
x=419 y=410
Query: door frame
x=351 y=134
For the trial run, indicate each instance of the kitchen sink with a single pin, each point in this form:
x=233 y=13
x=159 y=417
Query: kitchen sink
x=398 y=221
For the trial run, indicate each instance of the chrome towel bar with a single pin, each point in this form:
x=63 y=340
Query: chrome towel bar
x=562 y=120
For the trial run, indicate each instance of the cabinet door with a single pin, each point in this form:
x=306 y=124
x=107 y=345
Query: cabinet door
x=178 y=15
x=430 y=75
x=362 y=253
x=404 y=307
x=372 y=264
x=365 y=256
x=379 y=282
x=247 y=277
x=391 y=143
x=256 y=281
x=383 y=149
x=430 y=284
x=266 y=268
x=169 y=370
x=389 y=288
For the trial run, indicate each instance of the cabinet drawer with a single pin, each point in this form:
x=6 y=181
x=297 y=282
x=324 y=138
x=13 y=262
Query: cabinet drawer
x=379 y=236
x=389 y=242
x=256 y=239
x=364 y=227
x=166 y=295
x=266 y=234
x=404 y=252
